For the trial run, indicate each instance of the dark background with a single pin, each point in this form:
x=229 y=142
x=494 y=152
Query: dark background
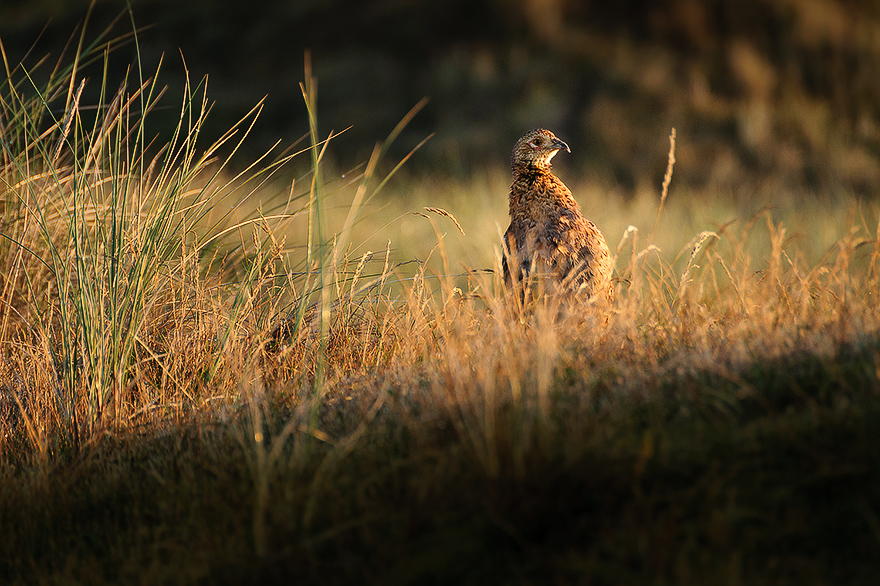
x=764 y=94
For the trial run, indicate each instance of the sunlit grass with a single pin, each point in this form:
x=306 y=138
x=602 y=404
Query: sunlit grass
x=323 y=348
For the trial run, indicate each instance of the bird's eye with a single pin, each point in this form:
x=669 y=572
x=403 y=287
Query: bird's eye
x=535 y=143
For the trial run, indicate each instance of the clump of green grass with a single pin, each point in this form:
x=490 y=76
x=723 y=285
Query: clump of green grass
x=244 y=392
x=133 y=281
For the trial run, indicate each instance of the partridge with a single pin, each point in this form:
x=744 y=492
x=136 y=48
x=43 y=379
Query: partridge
x=548 y=236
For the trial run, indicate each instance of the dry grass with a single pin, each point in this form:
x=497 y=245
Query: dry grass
x=161 y=333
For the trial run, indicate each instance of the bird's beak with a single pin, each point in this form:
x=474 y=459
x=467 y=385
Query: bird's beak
x=560 y=144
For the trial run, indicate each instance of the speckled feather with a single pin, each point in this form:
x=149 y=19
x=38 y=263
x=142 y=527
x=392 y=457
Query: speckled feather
x=548 y=235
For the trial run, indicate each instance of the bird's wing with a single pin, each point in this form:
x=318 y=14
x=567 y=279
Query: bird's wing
x=566 y=232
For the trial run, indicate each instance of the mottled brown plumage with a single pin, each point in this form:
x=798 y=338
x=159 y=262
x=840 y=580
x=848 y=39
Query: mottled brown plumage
x=548 y=236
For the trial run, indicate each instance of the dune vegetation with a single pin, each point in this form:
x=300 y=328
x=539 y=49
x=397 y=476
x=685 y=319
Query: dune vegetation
x=218 y=373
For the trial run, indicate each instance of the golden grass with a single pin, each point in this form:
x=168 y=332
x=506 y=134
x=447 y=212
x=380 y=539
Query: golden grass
x=717 y=300
x=146 y=292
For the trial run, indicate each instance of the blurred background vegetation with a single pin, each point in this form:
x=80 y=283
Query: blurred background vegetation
x=766 y=95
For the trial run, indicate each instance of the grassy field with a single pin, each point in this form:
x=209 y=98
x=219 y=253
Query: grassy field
x=226 y=377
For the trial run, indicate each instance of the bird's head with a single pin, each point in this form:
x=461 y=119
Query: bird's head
x=535 y=149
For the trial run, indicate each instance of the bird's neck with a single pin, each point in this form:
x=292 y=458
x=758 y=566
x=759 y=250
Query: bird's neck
x=531 y=173
x=529 y=179
x=528 y=182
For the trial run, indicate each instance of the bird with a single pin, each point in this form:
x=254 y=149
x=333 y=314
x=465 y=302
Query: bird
x=548 y=235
